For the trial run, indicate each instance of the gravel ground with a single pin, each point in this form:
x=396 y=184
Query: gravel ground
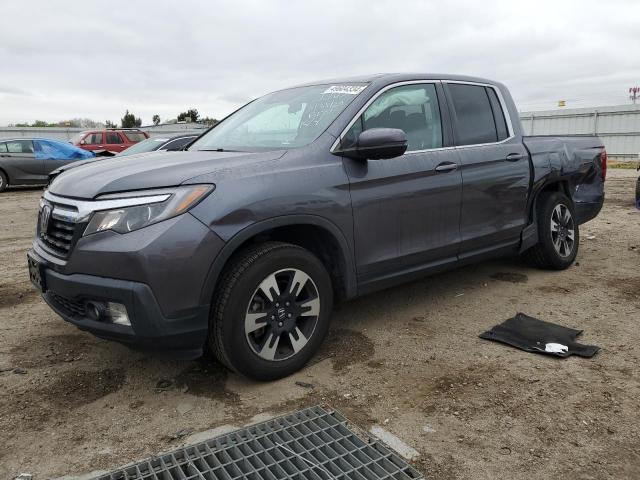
x=408 y=358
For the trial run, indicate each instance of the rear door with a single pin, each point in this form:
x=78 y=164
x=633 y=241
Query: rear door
x=93 y=142
x=22 y=166
x=495 y=168
x=52 y=155
x=114 y=142
x=406 y=210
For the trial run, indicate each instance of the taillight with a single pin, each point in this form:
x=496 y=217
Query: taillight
x=603 y=163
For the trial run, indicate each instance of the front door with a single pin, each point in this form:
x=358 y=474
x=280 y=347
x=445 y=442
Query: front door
x=94 y=142
x=406 y=210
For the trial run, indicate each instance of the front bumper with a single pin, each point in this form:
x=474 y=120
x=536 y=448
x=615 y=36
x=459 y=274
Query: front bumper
x=182 y=336
x=158 y=273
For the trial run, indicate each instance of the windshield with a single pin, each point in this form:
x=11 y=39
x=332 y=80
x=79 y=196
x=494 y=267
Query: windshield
x=281 y=120
x=77 y=137
x=144 y=146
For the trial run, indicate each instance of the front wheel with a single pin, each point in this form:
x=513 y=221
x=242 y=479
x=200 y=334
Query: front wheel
x=271 y=311
x=559 y=236
x=4 y=182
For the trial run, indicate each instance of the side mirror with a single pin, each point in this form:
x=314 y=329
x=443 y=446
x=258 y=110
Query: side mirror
x=377 y=144
x=83 y=142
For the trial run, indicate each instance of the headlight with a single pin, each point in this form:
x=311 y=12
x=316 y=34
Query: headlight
x=140 y=209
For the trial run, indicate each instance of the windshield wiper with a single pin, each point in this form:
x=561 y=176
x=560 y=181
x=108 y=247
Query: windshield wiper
x=218 y=150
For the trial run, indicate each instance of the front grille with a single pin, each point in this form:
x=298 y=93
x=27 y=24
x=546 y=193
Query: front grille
x=59 y=236
x=72 y=308
x=57 y=229
x=310 y=444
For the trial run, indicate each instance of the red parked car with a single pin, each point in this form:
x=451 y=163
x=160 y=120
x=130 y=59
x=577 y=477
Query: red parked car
x=109 y=141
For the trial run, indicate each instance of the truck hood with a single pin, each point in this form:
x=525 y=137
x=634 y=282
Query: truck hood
x=149 y=170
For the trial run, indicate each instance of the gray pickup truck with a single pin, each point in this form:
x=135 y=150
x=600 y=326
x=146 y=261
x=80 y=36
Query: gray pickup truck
x=309 y=195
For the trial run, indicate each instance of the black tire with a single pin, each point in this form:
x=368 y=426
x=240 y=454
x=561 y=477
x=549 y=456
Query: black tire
x=546 y=253
x=4 y=182
x=240 y=293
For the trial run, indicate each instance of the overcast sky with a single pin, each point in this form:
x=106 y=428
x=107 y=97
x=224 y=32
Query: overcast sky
x=66 y=59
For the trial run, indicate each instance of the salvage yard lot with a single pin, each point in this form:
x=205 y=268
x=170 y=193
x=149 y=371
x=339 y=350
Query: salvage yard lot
x=407 y=358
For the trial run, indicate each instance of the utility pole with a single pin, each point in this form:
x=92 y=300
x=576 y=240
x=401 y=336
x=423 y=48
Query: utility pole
x=634 y=91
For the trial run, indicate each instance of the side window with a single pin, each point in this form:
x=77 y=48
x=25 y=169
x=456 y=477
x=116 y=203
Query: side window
x=3 y=148
x=474 y=117
x=498 y=114
x=20 y=146
x=135 y=137
x=48 y=150
x=113 y=137
x=411 y=108
x=177 y=144
x=93 y=139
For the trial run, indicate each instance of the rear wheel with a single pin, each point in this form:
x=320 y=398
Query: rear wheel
x=3 y=181
x=271 y=311
x=558 y=232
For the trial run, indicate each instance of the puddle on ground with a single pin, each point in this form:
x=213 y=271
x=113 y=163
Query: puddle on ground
x=14 y=293
x=205 y=378
x=626 y=288
x=345 y=347
x=75 y=388
x=511 y=277
x=36 y=407
x=553 y=289
x=52 y=350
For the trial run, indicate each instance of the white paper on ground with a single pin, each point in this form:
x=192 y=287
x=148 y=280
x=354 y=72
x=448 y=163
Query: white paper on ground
x=556 y=348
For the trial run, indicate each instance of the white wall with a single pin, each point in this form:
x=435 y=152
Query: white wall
x=618 y=126
x=66 y=134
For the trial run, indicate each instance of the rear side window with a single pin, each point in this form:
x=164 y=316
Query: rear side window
x=474 y=116
x=3 y=148
x=93 y=139
x=135 y=137
x=20 y=146
x=113 y=137
x=48 y=149
x=498 y=114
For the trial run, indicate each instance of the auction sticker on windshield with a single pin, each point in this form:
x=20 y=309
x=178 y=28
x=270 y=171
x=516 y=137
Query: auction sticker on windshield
x=348 y=89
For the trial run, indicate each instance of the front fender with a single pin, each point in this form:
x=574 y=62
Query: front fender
x=263 y=226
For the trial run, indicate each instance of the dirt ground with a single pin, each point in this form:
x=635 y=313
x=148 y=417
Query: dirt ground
x=408 y=358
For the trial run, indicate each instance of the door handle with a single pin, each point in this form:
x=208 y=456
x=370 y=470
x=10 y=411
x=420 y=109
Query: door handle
x=447 y=167
x=514 y=157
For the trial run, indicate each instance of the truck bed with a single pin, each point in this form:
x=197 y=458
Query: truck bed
x=577 y=161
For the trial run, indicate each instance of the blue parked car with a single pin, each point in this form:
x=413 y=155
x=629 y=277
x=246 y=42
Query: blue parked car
x=28 y=161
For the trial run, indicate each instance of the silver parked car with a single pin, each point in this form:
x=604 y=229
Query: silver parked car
x=28 y=161
x=153 y=144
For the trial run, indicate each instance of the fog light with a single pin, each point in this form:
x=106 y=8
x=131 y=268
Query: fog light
x=95 y=310
x=117 y=313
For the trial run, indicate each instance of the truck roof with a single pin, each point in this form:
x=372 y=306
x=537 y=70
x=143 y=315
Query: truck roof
x=386 y=78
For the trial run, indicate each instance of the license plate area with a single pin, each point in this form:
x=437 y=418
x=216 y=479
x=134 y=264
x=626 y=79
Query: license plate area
x=36 y=274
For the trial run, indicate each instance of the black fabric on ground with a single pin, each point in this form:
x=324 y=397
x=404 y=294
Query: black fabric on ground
x=532 y=335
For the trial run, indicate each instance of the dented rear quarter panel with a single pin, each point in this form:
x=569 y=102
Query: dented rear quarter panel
x=574 y=160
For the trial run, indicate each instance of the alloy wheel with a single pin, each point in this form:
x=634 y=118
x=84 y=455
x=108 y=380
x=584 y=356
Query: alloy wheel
x=562 y=230
x=282 y=314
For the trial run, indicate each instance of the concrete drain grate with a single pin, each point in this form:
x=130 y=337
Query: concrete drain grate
x=310 y=444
